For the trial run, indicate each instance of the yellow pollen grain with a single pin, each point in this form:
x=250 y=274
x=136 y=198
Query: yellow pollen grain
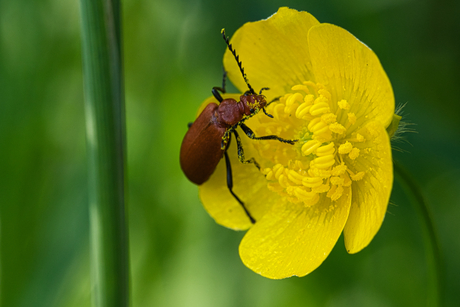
x=325 y=93
x=351 y=118
x=360 y=138
x=337 y=180
x=339 y=169
x=343 y=104
x=347 y=181
x=345 y=148
x=290 y=190
x=354 y=153
x=329 y=118
x=319 y=108
x=309 y=99
x=331 y=191
x=337 y=128
x=338 y=192
x=316 y=172
x=310 y=146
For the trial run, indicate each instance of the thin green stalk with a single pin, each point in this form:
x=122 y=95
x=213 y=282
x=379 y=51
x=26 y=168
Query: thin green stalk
x=105 y=133
x=433 y=254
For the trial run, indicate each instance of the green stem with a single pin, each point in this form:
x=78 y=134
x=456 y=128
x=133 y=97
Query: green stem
x=105 y=133
x=430 y=238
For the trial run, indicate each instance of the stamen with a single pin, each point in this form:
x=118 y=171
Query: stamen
x=343 y=104
x=345 y=148
x=310 y=146
x=329 y=118
x=312 y=182
x=300 y=87
x=316 y=166
x=337 y=128
x=325 y=93
x=323 y=162
x=319 y=108
x=354 y=153
x=328 y=149
x=295 y=177
x=351 y=118
x=303 y=111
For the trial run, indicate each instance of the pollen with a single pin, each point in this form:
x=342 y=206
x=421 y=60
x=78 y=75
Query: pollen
x=322 y=162
x=343 y=104
x=351 y=118
x=345 y=148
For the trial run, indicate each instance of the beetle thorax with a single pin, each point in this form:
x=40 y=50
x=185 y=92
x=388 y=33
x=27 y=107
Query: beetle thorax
x=229 y=113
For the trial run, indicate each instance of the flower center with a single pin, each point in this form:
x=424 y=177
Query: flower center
x=318 y=165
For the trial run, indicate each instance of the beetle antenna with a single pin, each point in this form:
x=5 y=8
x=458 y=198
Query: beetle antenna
x=237 y=58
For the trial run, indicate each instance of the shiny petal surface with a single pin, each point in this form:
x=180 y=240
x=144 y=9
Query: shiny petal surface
x=351 y=71
x=292 y=240
x=372 y=193
x=274 y=52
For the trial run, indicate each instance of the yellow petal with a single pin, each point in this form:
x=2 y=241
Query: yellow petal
x=248 y=184
x=351 y=71
x=372 y=193
x=274 y=52
x=293 y=240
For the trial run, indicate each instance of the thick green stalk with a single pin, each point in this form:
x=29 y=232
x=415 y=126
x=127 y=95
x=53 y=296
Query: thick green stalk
x=433 y=254
x=105 y=133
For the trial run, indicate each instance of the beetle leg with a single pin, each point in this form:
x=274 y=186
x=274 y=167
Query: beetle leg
x=241 y=151
x=251 y=135
x=276 y=99
x=230 y=186
x=265 y=112
x=225 y=139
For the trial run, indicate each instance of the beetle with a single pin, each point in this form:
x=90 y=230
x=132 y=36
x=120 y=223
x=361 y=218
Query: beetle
x=208 y=138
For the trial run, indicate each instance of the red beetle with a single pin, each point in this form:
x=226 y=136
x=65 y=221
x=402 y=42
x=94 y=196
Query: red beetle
x=209 y=136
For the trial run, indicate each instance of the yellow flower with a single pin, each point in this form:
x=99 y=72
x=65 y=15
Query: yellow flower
x=336 y=99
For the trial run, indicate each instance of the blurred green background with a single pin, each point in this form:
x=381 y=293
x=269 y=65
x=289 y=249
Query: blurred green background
x=179 y=255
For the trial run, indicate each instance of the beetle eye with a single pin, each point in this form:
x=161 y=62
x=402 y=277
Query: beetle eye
x=251 y=110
